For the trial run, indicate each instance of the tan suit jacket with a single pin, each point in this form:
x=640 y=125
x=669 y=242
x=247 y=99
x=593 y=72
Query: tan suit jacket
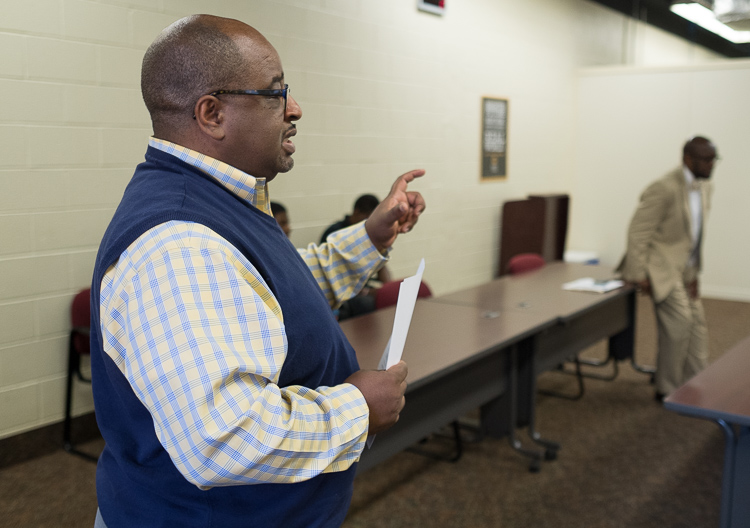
x=660 y=237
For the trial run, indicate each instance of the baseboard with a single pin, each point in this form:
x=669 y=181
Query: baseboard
x=45 y=440
x=725 y=294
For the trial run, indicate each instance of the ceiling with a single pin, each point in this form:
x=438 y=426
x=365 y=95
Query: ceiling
x=657 y=13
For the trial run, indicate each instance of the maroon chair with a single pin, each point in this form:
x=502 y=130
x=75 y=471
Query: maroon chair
x=387 y=295
x=78 y=345
x=525 y=262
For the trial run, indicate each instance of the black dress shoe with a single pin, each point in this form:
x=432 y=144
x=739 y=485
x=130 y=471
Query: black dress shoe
x=659 y=397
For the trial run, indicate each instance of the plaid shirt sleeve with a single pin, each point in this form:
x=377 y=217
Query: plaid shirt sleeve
x=200 y=337
x=344 y=263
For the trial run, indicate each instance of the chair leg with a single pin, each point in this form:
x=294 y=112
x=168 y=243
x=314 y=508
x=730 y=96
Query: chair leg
x=445 y=457
x=458 y=441
x=644 y=369
x=579 y=377
x=615 y=370
x=73 y=368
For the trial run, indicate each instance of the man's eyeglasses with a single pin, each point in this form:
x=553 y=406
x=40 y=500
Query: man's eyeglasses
x=708 y=159
x=278 y=92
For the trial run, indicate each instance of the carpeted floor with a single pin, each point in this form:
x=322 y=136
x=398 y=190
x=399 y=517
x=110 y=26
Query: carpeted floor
x=624 y=462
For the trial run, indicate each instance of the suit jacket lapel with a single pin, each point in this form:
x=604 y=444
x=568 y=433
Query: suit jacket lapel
x=686 y=211
x=704 y=200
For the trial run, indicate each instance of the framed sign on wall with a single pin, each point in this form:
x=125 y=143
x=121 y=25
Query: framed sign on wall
x=494 y=138
x=436 y=7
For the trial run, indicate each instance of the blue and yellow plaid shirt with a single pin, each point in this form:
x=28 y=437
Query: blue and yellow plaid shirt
x=171 y=289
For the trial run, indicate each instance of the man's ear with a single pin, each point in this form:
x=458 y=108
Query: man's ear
x=209 y=116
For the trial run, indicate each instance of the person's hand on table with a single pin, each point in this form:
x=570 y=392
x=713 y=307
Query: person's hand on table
x=643 y=286
x=384 y=393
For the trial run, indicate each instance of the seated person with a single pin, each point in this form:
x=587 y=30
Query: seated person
x=363 y=208
x=364 y=302
x=282 y=218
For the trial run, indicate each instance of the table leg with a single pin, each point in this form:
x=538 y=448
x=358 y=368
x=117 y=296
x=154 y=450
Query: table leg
x=513 y=389
x=500 y=417
x=550 y=448
x=740 y=506
x=727 y=479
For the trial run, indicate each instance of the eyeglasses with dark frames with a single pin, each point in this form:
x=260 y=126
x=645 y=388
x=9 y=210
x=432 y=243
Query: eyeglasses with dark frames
x=277 y=92
x=709 y=159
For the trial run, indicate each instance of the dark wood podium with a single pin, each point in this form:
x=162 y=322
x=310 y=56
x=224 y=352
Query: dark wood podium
x=538 y=224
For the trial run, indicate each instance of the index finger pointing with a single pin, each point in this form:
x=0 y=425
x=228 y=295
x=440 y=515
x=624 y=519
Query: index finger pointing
x=408 y=177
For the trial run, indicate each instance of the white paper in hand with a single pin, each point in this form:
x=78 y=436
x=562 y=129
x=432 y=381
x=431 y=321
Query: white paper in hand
x=407 y=298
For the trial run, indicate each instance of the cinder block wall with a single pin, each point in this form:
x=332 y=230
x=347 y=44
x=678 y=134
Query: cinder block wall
x=383 y=87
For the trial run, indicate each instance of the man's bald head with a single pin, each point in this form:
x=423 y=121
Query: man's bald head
x=200 y=55
x=194 y=56
x=694 y=144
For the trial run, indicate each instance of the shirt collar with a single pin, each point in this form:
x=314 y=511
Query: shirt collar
x=689 y=176
x=251 y=189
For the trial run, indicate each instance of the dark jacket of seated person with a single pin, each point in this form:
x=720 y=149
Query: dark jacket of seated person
x=364 y=302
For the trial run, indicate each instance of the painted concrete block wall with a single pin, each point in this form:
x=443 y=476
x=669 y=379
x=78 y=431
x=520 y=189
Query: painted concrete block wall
x=69 y=79
x=383 y=88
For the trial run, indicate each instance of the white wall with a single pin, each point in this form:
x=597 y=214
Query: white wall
x=632 y=123
x=384 y=89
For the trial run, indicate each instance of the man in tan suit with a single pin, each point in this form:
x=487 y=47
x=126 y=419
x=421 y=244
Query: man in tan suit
x=664 y=258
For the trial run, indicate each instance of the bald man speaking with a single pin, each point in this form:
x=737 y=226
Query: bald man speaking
x=224 y=388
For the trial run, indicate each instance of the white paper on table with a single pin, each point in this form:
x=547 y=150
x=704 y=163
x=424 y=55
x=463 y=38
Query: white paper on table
x=589 y=284
x=407 y=298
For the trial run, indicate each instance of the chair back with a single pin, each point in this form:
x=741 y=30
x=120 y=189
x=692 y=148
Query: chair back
x=387 y=295
x=525 y=262
x=80 y=318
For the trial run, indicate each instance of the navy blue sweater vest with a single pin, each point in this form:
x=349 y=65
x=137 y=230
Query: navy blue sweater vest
x=137 y=483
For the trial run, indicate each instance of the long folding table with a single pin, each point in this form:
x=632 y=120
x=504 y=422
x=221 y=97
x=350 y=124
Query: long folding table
x=577 y=319
x=484 y=346
x=457 y=359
